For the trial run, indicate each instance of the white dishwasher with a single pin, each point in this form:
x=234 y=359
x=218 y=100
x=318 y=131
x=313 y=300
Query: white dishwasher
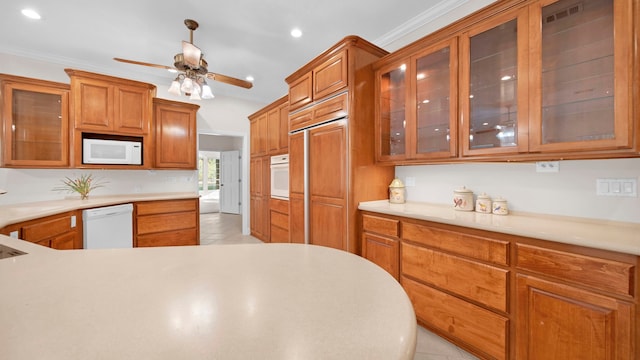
x=108 y=227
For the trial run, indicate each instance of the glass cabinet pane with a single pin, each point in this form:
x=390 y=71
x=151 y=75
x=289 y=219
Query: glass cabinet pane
x=392 y=112
x=493 y=70
x=36 y=128
x=577 y=71
x=433 y=106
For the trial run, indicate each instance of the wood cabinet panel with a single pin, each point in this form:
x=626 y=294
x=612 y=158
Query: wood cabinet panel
x=478 y=282
x=162 y=207
x=279 y=219
x=607 y=275
x=175 y=134
x=167 y=223
x=381 y=225
x=481 y=248
x=36 y=122
x=301 y=92
x=330 y=76
x=170 y=238
x=478 y=329
x=109 y=104
x=556 y=321
x=327 y=224
x=382 y=251
x=61 y=231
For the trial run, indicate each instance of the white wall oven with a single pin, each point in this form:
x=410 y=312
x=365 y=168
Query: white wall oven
x=280 y=176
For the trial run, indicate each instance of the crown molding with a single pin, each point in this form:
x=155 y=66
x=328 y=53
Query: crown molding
x=422 y=19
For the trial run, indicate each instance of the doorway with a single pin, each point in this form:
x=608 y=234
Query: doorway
x=220 y=179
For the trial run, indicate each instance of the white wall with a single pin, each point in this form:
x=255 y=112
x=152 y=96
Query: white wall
x=570 y=192
x=222 y=115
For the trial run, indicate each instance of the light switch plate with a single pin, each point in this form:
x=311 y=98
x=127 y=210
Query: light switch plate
x=617 y=187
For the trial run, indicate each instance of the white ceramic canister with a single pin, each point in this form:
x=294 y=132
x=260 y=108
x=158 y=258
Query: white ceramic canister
x=483 y=204
x=463 y=199
x=396 y=192
x=500 y=206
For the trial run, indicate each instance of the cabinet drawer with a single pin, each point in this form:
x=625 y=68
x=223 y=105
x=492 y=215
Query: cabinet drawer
x=46 y=228
x=281 y=206
x=171 y=238
x=279 y=235
x=485 y=249
x=482 y=283
x=382 y=251
x=166 y=222
x=162 y=207
x=333 y=108
x=301 y=120
x=280 y=220
x=380 y=225
x=608 y=275
x=459 y=320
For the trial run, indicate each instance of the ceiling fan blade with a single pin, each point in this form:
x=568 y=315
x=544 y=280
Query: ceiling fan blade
x=191 y=54
x=229 y=80
x=144 y=64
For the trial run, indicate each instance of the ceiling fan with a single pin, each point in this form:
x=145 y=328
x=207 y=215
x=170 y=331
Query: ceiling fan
x=192 y=69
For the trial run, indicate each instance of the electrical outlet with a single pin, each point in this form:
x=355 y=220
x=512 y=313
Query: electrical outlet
x=548 y=166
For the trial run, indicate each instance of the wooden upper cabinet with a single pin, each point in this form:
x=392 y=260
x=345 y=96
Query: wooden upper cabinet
x=269 y=128
x=581 y=67
x=416 y=105
x=538 y=79
x=108 y=104
x=36 y=122
x=175 y=134
x=301 y=92
x=493 y=86
x=330 y=76
x=327 y=78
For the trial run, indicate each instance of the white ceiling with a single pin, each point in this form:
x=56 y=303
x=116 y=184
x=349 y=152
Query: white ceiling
x=237 y=37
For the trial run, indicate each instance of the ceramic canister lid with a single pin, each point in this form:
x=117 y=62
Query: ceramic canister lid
x=463 y=190
x=396 y=183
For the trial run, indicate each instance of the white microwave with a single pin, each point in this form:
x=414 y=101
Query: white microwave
x=111 y=152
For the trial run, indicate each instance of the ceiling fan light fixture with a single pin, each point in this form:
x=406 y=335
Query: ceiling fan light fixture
x=206 y=92
x=174 y=89
x=195 y=94
x=187 y=85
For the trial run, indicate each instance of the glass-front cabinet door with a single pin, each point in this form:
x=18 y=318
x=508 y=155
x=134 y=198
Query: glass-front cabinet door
x=36 y=122
x=581 y=64
x=391 y=113
x=493 y=90
x=417 y=104
x=434 y=75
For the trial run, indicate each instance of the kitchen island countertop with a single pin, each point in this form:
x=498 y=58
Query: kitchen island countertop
x=607 y=235
x=249 y=301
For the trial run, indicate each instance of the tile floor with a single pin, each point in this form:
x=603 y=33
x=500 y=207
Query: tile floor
x=220 y=229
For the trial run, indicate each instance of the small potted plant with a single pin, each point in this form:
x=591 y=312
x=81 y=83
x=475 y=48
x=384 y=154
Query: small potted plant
x=81 y=185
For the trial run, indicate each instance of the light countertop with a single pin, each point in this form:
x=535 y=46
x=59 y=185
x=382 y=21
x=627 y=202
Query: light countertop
x=607 y=235
x=250 y=301
x=15 y=213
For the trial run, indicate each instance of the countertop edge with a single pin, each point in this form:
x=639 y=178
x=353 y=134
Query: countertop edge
x=15 y=213
x=599 y=234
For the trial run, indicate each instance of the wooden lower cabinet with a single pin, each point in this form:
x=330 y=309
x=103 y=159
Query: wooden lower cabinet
x=502 y=296
x=61 y=231
x=557 y=321
x=279 y=221
x=380 y=243
x=167 y=223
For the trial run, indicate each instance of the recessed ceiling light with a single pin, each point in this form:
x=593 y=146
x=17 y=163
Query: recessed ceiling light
x=31 y=14
x=249 y=78
x=296 y=33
